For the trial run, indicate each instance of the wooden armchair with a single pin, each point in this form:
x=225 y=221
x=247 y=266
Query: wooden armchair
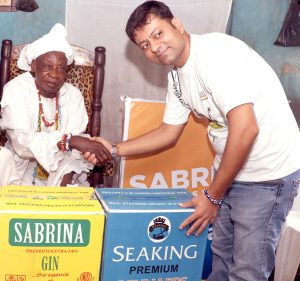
x=86 y=73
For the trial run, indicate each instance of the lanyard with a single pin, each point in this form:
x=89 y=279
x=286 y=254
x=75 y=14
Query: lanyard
x=203 y=96
x=204 y=100
x=177 y=88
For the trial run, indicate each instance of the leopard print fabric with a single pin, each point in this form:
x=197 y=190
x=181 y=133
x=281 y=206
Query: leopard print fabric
x=82 y=78
x=14 y=70
x=79 y=76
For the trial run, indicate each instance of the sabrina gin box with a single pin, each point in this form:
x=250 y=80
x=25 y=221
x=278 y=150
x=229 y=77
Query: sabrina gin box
x=143 y=241
x=50 y=235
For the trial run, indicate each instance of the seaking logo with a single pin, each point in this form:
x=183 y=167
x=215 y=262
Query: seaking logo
x=49 y=232
x=159 y=229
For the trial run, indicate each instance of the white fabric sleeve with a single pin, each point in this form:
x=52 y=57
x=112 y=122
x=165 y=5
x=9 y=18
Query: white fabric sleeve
x=19 y=118
x=8 y=171
x=71 y=162
x=74 y=118
x=175 y=113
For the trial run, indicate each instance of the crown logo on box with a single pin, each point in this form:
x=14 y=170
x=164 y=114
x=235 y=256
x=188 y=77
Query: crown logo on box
x=159 y=229
x=159 y=220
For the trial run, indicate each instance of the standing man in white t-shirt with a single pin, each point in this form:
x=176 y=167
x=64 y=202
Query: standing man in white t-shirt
x=252 y=130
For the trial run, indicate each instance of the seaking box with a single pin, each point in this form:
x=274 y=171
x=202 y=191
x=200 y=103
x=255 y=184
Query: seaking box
x=143 y=241
x=43 y=239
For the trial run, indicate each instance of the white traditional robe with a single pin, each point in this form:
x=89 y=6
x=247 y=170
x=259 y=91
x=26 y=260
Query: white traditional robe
x=8 y=171
x=20 y=111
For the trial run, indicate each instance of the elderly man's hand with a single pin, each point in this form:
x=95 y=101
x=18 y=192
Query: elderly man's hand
x=90 y=157
x=86 y=146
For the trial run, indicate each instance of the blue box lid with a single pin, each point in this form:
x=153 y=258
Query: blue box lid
x=143 y=200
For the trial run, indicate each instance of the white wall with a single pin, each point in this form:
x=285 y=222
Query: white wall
x=93 y=23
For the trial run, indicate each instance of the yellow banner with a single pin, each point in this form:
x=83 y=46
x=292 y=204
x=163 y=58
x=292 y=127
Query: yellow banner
x=187 y=165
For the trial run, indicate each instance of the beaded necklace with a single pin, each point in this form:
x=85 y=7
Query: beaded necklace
x=39 y=171
x=41 y=113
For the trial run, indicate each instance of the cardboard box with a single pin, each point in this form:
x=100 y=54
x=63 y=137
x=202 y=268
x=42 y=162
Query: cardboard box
x=142 y=237
x=43 y=192
x=44 y=239
x=207 y=266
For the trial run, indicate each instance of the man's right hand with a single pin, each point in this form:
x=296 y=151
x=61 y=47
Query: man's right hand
x=90 y=157
x=91 y=147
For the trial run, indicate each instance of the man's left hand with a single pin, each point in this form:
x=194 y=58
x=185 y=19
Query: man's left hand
x=204 y=214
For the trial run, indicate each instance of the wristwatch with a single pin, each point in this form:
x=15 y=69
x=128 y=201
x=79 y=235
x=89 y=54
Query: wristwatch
x=114 y=151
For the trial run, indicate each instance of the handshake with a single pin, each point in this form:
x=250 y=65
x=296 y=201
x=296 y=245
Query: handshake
x=98 y=151
x=95 y=150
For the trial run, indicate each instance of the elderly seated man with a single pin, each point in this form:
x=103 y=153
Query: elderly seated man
x=45 y=117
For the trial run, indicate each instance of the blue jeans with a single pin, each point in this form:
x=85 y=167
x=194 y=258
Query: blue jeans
x=248 y=226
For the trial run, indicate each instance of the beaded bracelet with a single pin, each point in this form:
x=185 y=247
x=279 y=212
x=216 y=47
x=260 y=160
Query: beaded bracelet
x=68 y=139
x=63 y=143
x=212 y=200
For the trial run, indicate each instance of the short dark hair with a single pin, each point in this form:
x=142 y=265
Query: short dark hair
x=139 y=16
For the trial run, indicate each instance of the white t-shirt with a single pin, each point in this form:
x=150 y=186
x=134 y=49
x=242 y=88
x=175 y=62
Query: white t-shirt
x=221 y=73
